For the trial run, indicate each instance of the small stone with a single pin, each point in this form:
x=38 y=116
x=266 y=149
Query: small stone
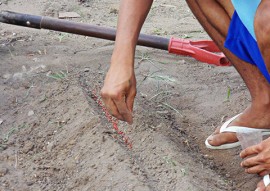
x=94 y=166
x=120 y=158
x=6 y=76
x=209 y=157
x=30 y=113
x=110 y=166
x=18 y=75
x=64 y=15
x=3 y=147
x=114 y=10
x=86 y=69
x=28 y=146
x=111 y=154
x=72 y=142
x=30 y=183
x=3 y=171
x=50 y=146
x=103 y=139
x=1 y=121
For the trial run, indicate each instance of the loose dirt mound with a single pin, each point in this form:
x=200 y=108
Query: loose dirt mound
x=54 y=135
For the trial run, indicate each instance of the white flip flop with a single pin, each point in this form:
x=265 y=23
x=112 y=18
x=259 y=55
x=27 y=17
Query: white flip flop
x=234 y=129
x=266 y=180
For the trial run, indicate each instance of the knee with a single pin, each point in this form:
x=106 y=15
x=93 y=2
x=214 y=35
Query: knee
x=261 y=22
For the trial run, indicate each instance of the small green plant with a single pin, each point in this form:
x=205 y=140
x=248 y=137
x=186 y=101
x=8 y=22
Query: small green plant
x=10 y=53
x=44 y=98
x=163 y=78
x=228 y=94
x=183 y=171
x=58 y=75
x=144 y=56
x=61 y=36
x=12 y=131
x=185 y=36
x=169 y=160
x=3 y=147
x=60 y=124
x=160 y=93
x=9 y=133
x=159 y=31
x=171 y=107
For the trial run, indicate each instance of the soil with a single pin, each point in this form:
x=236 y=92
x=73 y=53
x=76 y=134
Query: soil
x=55 y=136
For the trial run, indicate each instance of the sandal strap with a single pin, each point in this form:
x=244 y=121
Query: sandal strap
x=266 y=180
x=241 y=129
x=225 y=125
x=238 y=129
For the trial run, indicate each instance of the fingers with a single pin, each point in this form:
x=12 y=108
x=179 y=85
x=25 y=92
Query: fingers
x=118 y=96
x=250 y=151
x=256 y=164
x=112 y=108
x=123 y=110
x=251 y=161
x=258 y=158
x=255 y=169
x=130 y=100
x=117 y=107
x=261 y=169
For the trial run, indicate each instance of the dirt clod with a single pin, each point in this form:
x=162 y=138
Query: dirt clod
x=3 y=171
x=28 y=146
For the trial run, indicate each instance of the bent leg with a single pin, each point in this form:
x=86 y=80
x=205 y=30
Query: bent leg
x=262 y=30
x=216 y=24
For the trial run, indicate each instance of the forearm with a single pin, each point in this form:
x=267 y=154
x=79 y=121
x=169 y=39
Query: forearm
x=119 y=90
x=131 y=18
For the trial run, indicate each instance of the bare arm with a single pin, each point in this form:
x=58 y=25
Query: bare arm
x=131 y=18
x=119 y=88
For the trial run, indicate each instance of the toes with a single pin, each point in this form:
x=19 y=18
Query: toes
x=222 y=138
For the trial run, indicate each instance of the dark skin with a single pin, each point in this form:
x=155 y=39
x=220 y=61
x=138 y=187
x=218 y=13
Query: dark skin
x=119 y=88
x=258 y=111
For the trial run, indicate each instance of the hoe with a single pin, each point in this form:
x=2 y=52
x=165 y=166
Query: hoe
x=203 y=50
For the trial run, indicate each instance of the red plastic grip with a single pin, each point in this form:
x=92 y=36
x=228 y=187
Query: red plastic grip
x=200 y=50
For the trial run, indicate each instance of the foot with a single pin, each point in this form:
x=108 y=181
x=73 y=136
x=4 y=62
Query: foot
x=253 y=117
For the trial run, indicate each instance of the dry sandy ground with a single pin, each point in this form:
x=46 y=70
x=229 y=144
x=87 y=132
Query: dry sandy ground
x=54 y=136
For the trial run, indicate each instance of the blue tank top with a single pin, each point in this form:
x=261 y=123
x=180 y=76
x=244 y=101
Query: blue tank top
x=246 y=10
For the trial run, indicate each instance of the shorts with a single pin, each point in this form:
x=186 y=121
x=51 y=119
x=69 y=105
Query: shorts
x=241 y=43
